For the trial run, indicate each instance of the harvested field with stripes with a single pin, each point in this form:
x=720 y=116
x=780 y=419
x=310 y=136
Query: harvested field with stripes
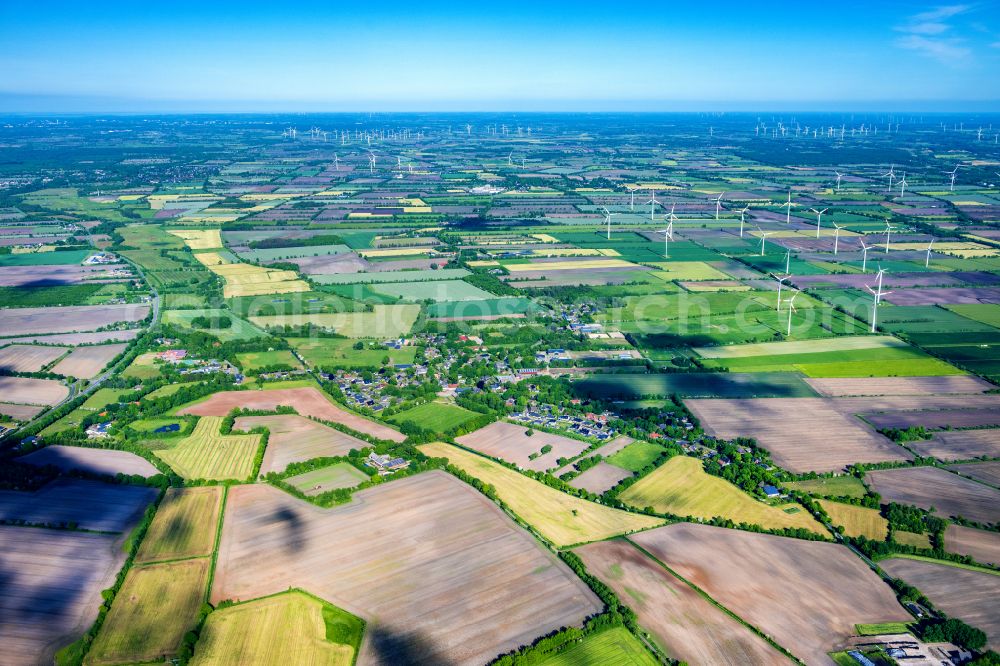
x=981 y=545
x=68 y=319
x=987 y=472
x=52 y=582
x=960 y=445
x=600 y=478
x=427 y=561
x=807 y=595
x=307 y=401
x=87 y=362
x=837 y=387
x=30 y=391
x=184 y=525
x=295 y=438
x=682 y=623
x=95 y=461
x=508 y=441
x=856 y=520
x=949 y=494
x=28 y=358
x=207 y=454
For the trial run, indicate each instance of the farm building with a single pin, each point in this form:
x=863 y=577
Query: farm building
x=386 y=464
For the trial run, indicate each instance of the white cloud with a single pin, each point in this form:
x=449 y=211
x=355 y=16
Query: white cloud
x=929 y=34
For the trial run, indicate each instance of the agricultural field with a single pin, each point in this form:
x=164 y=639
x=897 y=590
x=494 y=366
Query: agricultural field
x=435 y=416
x=184 y=525
x=253 y=361
x=981 y=545
x=239 y=329
x=512 y=443
x=340 y=353
x=856 y=520
x=681 y=487
x=806 y=595
x=862 y=386
x=94 y=461
x=52 y=601
x=960 y=445
x=307 y=401
x=698 y=385
x=156 y=605
x=843 y=485
x=636 y=456
x=69 y=319
x=87 y=362
x=89 y=505
x=611 y=647
x=439 y=291
x=384 y=321
x=681 y=622
x=986 y=472
x=562 y=519
x=295 y=438
x=338 y=475
x=949 y=494
x=28 y=358
x=292 y=627
x=600 y=478
x=969 y=595
x=207 y=454
x=30 y=391
x=443 y=559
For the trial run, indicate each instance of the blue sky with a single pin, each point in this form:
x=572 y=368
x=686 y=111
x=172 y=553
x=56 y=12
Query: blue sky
x=336 y=56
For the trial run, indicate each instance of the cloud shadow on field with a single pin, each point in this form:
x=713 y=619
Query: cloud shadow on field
x=398 y=649
x=295 y=540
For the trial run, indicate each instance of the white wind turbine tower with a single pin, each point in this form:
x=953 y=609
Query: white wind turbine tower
x=668 y=235
x=902 y=185
x=718 y=204
x=652 y=204
x=371 y=163
x=953 y=173
x=781 y=281
x=743 y=213
x=878 y=294
x=891 y=173
x=791 y=309
x=763 y=239
x=510 y=159
x=839 y=176
x=788 y=260
x=788 y=208
x=336 y=163
x=888 y=230
x=864 y=256
x=607 y=218
x=836 y=237
x=927 y=261
x=631 y=191
x=819 y=218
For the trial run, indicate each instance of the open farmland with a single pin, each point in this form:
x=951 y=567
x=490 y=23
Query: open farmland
x=600 y=478
x=28 y=358
x=30 y=391
x=90 y=505
x=52 y=588
x=963 y=593
x=184 y=525
x=307 y=401
x=384 y=321
x=24 y=321
x=682 y=623
x=156 y=605
x=610 y=647
x=239 y=329
x=426 y=561
x=325 y=479
x=960 y=444
x=562 y=519
x=87 y=362
x=437 y=291
x=94 y=461
x=287 y=628
x=295 y=438
x=807 y=595
x=843 y=485
x=681 y=487
x=856 y=520
x=858 y=386
x=797 y=431
x=73 y=339
x=340 y=352
x=207 y=454
x=986 y=472
x=435 y=416
x=509 y=441
x=949 y=494
x=981 y=545
x=698 y=385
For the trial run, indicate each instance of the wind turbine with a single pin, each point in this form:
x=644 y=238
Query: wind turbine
x=788 y=260
x=888 y=230
x=819 y=218
x=839 y=176
x=668 y=235
x=953 y=173
x=891 y=173
x=510 y=159
x=878 y=294
x=781 y=281
x=902 y=185
x=788 y=208
x=742 y=218
x=927 y=261
x=864 y=256
x=607 y=217
x=791 y=309
x=763 y=239
x=631 y=191
x=336 y=163
x=652 y=204
x=718 y=205
x=371 y=163
x=836 y=237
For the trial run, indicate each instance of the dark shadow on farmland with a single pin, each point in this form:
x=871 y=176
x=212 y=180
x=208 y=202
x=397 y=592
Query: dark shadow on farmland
x=44 y=282
x=295 y=539
x=399 y=649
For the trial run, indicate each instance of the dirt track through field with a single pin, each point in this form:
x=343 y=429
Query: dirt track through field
x=438 y=570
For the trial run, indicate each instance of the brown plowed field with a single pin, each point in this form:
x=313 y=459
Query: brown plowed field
x=440 y=573
x=296 y=438
x=600 y=478
x=507 y=441
x=807 y=595
x=949 y=494
x=987 y=472
x=960 y=445
x=87 y=362
x=980 y=545
x=683 y=623
x=22 y=321
x=307 y=401
x=28 y=358
x=836 y=387
x=97 y=461
x=92 y=505
x=27 y=390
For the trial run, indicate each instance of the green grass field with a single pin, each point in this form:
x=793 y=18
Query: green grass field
x=206 y=454
x=385 y=321
x=435 y=416
x=485 y=308
x=681 y=487
x=562 y=519
x=687 y=270
x=835 y=486
x=36 y=297
x=288 y=628
x=612 y=647
x=64 y=258
x=338 y=475
x=882 y=628
x=338 y=352
x=174 y=301
x=239 y=330
x=156 y=605
x=253 y=361
x=184 y=525
x=438 y=291
x=97 y=401
x=912 y=539
x=857 y=520
x=635 y=456
x=986 y=313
